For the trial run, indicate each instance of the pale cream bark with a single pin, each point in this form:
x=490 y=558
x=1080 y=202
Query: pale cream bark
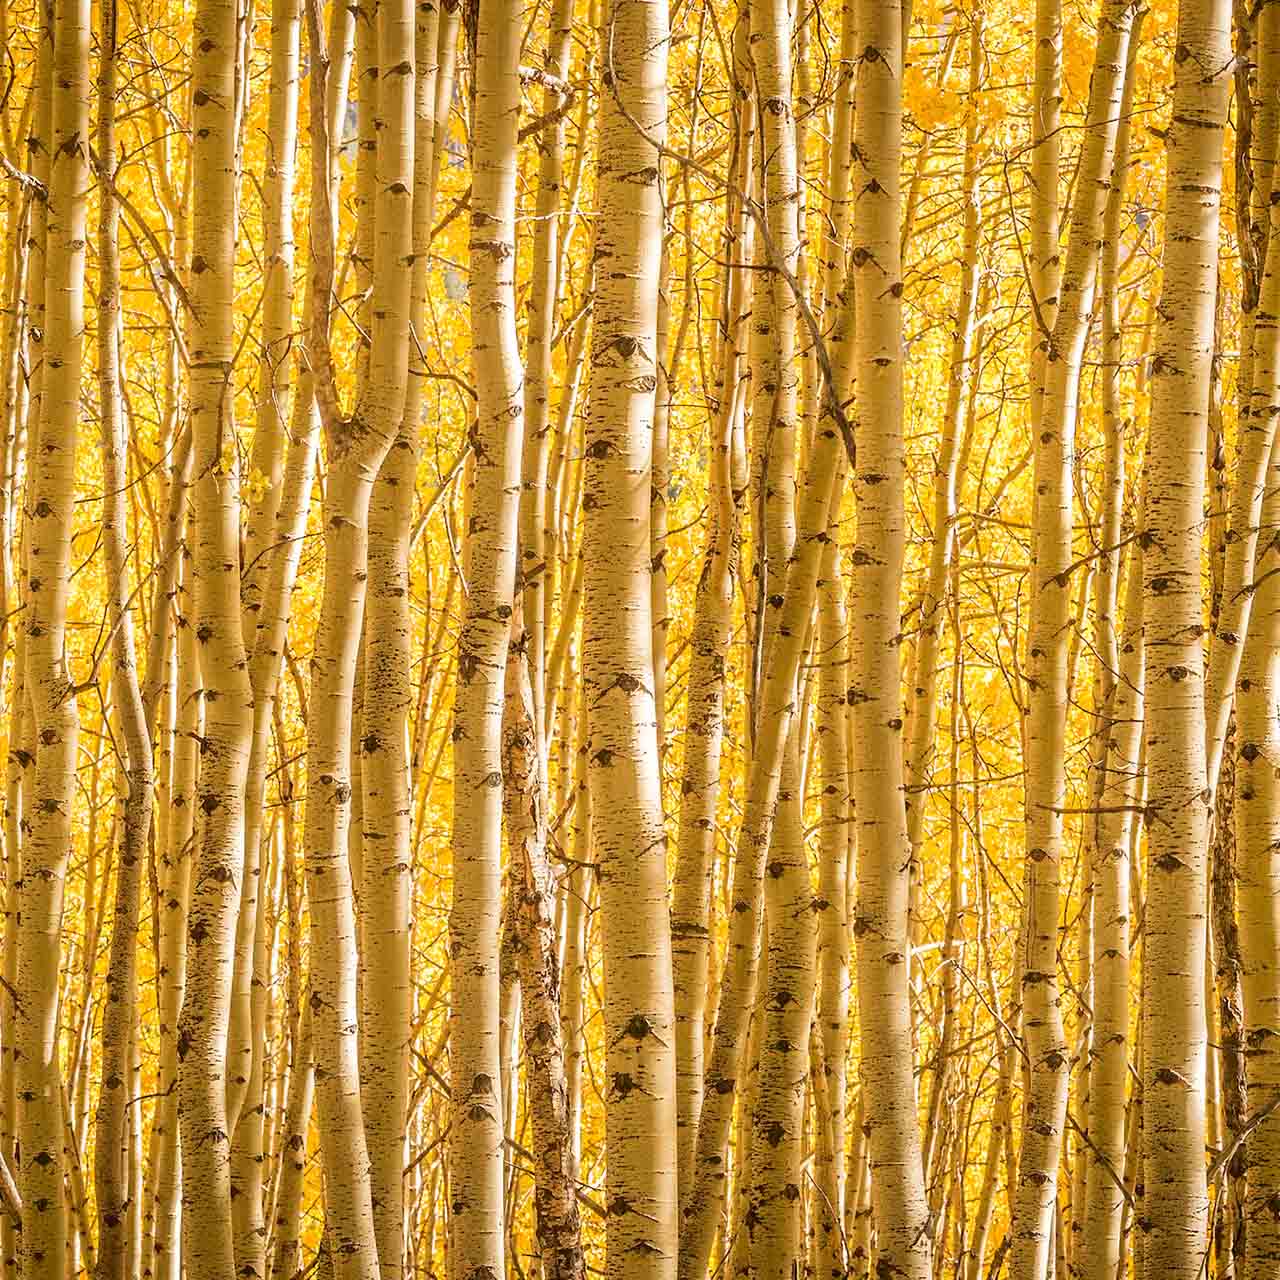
x=1118 y=785
x=1257 y=811
x=545 y=276
x=476 y=1135
x=880 y=925
x=271 y=532
x=47 y=834
x=628 y=836
x=1256 y=420
x=777 y=1140
x=286 y=1219
x=831 y=906
x=116 y=1202
x=356 y=447
x=532 y=900
x=165 y=1255
x=1177 y=813
x=218 y=862
x=705 y=707
x=387 y=885
x=1047 y=663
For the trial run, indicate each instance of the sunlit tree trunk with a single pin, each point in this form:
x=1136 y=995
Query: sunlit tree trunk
x=112 y=1146
x=533 y=899
x=356 y=447
x=1257 y=809
x=1177 y=813
x=1047 y=665
x=51 y=507
x=476 y=1137
x=705 y=707
x=270 y=531
x=1256 y=419
x=218 y=862
x=387 y=885
x=880 y=922
x=1118 y=788
x=617 y=652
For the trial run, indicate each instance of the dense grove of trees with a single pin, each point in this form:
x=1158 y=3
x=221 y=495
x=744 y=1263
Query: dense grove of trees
x=640 y=637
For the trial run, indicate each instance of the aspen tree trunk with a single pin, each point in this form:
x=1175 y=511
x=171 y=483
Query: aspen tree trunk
x=21 y=743
x=539 y=373
x=218 y=864
x=1257 y=814
x=578 y=889
x=387 y=888
x=775 y=1147
x=48 y=833
x=176 y=857
x=264 y=671
x=271 y=534
x=1118 y=786
x=835 y=847
x=476 y=1135
x=356 y=448
x=705 y=707
x=1256 y=417
x=777 y=711
x=119 y=1024
x=286 y=1254
x=1043 y=172
x=777 y=1143
x=617 y=652
x=1120 y=794
x=831 y=907
x=524 y=791
x=921 y=747
x=1177 y=814
x=880 y=924
x=1048 y=644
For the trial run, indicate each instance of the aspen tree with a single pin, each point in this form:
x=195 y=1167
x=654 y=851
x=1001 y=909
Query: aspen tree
x=218 y=862
x=1043 y=172
x=524 y=791
x=386 y=894
x=1256 y=420
x=165 y=1258
x=21 y=746
x=47 y=834
x=119 y=1025
x=1048 y=636
x=547 y=265
x=1257 y=809
x=921 y=745
x=835 y=851
x=880 y=920
x=266 y=592
x=1118 y=785
x=575 y=930
x=830 y=905
x=476 y=1136
x=270 y=531
x=264 y=671
x=775 y=1146
x=1174 y=1030
x=356 y=447
x=776 y=1151
x=705 y=708
x=385 y=897
x=617 y=653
